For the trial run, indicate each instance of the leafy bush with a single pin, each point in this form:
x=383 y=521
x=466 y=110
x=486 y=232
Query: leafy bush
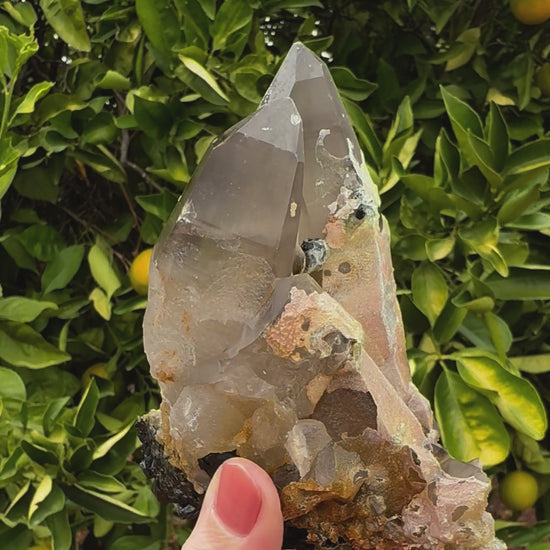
x=107 y=108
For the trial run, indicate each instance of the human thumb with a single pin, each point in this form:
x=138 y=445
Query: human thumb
x=241 y=511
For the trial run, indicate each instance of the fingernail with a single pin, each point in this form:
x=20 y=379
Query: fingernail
x=238 y=501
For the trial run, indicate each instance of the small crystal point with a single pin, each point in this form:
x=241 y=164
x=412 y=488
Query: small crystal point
x=264 y=217
x=274 y=331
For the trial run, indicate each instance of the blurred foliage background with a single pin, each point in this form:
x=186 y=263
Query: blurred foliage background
x=106 y=109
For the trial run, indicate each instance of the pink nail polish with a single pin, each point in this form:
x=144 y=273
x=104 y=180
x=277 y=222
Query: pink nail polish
x=239 y=501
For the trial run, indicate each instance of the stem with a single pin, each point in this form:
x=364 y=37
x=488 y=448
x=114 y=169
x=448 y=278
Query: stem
x=146 y=177
x=8 y=91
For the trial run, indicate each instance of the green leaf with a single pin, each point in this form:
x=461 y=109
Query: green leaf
x=101 y=303
x=16 y=538
x=233 y=16
x=8 y=164
x=429 y=290
x=464 y=49
x=61 y=270
x=21 y=346
x=56 y=104
x=26 y=105
x=42 y=491
x=364 y=129
x=533 y=364
x=100 y=482
x=152 y=117
x=60 y=528
x=42 y=242
x=66 y=17
x=41 y=182
x=53 y=411
x=501 y=335
x=447 y=159
x=99 y=259
x=356 y=89
x=462 y=116
x=497 y=135
x=196 y=18
x=11 y=385
x=437 y=249
x=482 y=238
x=521 y=284
x=516 y=398
x=108 y=444
x=101 y=130
x=449 y=321
x=529 y=157
x=85 y=414
x=516 y=204
x=469 y=134
x=105 y=506
x=24 y=310
x=159 y=204
x=113 y=80
x=531 y=453
x=202 y=73
x=470 y=425
x=160 y=23
x=22 y=12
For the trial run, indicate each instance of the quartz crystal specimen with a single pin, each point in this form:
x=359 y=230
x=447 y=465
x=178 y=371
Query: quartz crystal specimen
x=274 y=332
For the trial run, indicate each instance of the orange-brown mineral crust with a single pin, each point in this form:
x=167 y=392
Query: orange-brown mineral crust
x=274 y=332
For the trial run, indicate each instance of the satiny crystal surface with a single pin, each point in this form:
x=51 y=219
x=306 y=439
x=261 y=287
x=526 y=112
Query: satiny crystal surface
x=274 y=332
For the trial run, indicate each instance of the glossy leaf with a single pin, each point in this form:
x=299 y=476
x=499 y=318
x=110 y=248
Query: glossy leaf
x=20 y=345
x=85 y=414
x=429 y=290
x=516 y=398
x=37 y=92
x=23 y=310
x=470 y=425
x=233 y=16
x=104 y=505
x=530 y=156
x=203 y=74
x=161 y=205
x=11 y=385
x=102 y=269
x=60 y=528
x=534 y=364
x=521 y=284
x=42 y=242
x=66 y=17
x=61 y=270
x=160 y=23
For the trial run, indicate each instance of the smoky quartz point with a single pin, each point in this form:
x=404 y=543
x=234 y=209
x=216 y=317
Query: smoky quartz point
x=274 y=332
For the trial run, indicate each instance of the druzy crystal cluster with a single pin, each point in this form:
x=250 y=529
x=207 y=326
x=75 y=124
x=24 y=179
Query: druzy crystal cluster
x=274 y=332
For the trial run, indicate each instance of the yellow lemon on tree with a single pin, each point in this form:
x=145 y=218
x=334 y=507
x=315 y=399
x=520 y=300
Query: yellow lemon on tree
x=519 y=490
x=542 y=78
x=531 y=12
x=139 y=272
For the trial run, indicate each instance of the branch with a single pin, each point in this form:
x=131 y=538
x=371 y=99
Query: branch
x=146 y=177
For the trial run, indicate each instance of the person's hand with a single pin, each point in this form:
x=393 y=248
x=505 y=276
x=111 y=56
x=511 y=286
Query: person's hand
x=241 y=511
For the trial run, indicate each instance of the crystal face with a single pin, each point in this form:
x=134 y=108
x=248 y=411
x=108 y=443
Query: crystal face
x=274 y=332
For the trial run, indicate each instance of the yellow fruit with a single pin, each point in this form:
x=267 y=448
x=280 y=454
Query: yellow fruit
x=95 y=370
x=139 y=272
x=531 y=12
x=519 y=490
x=542 y=78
